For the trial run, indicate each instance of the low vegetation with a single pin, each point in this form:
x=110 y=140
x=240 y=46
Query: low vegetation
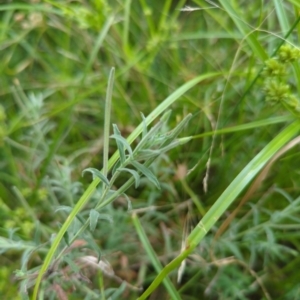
x=149 y=149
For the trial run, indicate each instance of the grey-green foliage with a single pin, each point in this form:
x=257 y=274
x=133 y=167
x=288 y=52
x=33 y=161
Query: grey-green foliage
x=135 y=163
x=153 y=143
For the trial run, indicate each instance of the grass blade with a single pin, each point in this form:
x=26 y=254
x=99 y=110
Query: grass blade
x=247 y=126
x=240 y=182
x=243 y=27
x=98 y=45
x=107 y=120
x=282 y=17
x=125 y=35
x=154 y=260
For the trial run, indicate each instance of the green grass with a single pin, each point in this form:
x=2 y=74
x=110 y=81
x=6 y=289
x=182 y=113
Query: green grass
x=203 y=198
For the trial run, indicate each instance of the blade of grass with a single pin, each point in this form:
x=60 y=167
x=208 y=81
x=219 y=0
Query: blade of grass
x=126 y=47
x=98 y=44
x=31 y=7
x=90 y=190
x=285 y=27
x=223 y=202
x=109 y=92
x=152 y=256
x=88 y=193
x=295 y=2
x=282 y=17
x=193 y=196
x=147 y=13
x=164 y=14
x=251 y=39
x=247 y=126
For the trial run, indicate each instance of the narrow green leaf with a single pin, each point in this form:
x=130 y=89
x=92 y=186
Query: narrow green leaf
x=108 y=100
x=87 y=194
x=163 y=15
x=150 y=21
x=116 y=166
x=96 y=173
x=94 y=215
x=144 y=126
x=295 y=2
x=117 y=292
x=184 y=140
x=31 y=7
x=144 y=170
x=282 y=16
x=93 y=245
x=154 y=260
x=119 y=143
x=129 y=205
x=126 y=22
x=64 y=208
x=246 y=30
x=134 y=174
x=98 y=44
x=247 y=126
x=123 y=141
x=67 y=238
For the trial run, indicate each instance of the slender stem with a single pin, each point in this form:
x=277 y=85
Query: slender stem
x=107 y=120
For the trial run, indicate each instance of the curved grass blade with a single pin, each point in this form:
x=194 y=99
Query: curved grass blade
x=107 y=112
x=223 y=202
x=31 y=7
x=119 y=139
x=247 y=126
x=98 y=44
x=119 y=144
x=152 y=255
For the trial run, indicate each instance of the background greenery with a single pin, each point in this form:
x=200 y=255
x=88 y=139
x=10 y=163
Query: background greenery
x=55 y=61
